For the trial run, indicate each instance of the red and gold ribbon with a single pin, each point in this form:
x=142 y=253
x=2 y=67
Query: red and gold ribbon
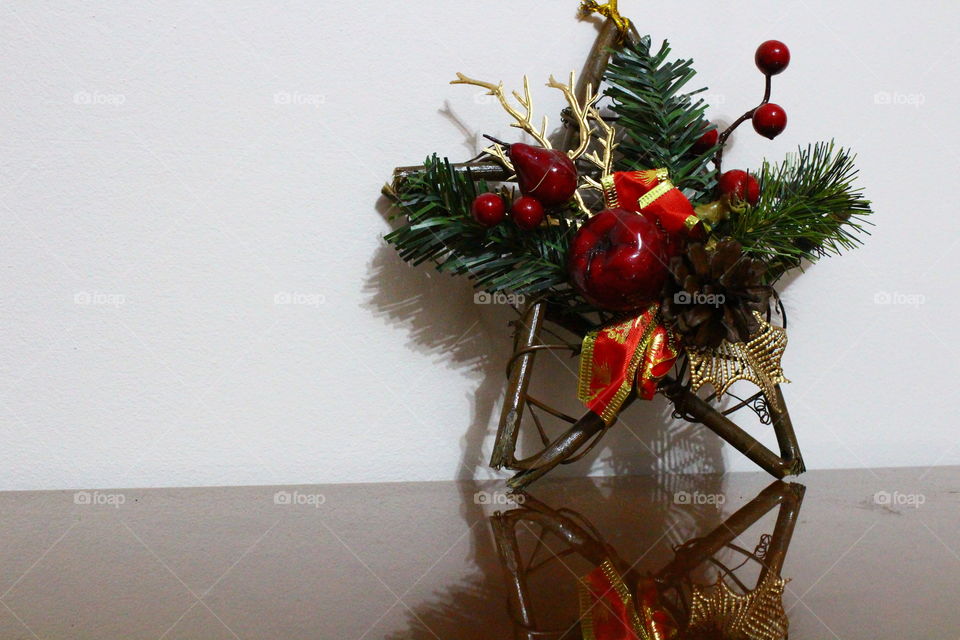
x=639 y=351
x=652 y=194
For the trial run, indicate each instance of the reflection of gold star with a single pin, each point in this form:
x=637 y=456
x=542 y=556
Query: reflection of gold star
x=608 y=10
x=756 y=615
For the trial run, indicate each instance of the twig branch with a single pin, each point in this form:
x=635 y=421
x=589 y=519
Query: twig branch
x=722 y=141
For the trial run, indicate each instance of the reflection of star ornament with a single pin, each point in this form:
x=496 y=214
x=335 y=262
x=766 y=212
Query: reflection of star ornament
x=757 y=615
x=757 y=361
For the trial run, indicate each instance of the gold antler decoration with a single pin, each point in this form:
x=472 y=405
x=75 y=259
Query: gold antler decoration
x=579 y=112
x=584 y=114
x=607 y=10
x=606 y=141
x=523 y=120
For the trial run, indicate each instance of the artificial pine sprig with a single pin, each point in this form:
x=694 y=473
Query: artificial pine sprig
x=662 y=122
x=435 y=204
x=809 y=207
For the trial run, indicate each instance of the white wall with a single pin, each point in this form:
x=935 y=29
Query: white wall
x=176 y=165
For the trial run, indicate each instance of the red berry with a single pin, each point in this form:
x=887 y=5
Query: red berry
x=740 y=185
x=527 y=212
x=769 y=120
x=489 y=209
x=772 y=57
x=706 y=142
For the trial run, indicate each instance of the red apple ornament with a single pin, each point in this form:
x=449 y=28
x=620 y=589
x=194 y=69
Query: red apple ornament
x=618 y=260
x=739 y=185
x=527 y=212
x=769 y=120
x=548 y=175
x=488 y=209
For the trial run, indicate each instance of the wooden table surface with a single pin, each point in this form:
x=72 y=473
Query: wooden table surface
x=875 y=554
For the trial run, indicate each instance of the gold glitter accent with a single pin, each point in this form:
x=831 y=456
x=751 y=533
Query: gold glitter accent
x=757 y=361
x=610 y=199
x=647 y=199
x=756 y=615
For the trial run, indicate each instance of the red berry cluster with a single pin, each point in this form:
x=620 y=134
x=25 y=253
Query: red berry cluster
x=769 y=119
x=546 y=177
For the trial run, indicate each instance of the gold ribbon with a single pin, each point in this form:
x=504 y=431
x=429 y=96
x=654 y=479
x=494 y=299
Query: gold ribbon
x=608 y=10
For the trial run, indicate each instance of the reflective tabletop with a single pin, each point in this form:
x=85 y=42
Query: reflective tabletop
x=833 y=554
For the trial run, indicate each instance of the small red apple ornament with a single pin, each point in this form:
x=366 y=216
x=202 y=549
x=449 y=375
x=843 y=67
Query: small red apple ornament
x=488 y=209
x=739 y=185
x=548 y=175
x=769 y=120
x=618 y=260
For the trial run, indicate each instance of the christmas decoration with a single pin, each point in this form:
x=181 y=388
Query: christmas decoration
x=488 y=209
x=630 y=237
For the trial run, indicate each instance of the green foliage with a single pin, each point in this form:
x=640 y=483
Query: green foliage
x=438 y=227
x=809 y=207
x=661 y=121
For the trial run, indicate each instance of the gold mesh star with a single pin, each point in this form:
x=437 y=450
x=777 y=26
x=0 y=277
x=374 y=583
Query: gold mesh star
x=756 y=360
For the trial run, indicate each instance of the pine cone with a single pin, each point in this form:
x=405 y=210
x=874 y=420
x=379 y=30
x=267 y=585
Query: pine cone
x=713 y=293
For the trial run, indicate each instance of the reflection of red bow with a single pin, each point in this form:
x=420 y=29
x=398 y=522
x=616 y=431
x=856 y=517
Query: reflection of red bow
x=608 y=610
x=641 y=349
